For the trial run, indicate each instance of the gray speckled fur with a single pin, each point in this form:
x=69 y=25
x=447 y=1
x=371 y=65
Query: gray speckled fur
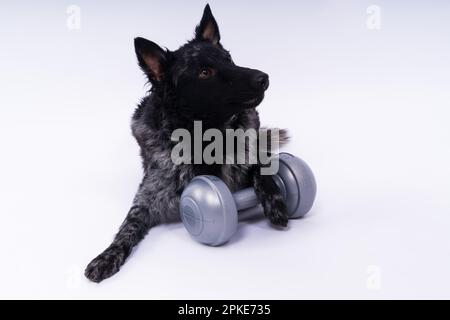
x=153 y=122
x=157 y=198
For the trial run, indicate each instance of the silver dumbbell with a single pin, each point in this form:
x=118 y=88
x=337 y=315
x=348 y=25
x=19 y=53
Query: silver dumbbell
x=210 y=212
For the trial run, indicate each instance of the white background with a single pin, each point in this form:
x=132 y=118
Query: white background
x=368 y=109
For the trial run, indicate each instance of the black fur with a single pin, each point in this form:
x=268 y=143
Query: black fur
x=199 y=81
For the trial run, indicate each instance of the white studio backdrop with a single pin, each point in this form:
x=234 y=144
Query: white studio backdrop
x=362 y=86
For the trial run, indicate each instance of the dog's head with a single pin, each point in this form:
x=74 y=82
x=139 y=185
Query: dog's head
x=201 y=76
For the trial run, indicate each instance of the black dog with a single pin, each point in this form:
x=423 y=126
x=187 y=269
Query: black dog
x=199 y=81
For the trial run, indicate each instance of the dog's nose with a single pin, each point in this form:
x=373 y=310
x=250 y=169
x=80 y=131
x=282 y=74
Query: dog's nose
x=261 y=81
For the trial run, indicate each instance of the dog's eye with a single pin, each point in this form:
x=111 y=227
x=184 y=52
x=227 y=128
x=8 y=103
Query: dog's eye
x=206 y=73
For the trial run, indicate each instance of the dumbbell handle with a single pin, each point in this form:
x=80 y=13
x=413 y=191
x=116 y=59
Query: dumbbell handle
x=245 y=199
x=247 y=204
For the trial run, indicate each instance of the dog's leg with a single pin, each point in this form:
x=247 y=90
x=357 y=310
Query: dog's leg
x=150 y=208
x=270 y=196
x=136 y=225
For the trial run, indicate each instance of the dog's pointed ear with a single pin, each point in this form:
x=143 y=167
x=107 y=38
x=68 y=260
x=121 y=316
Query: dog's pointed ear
x=152 y=59
x=208 y=30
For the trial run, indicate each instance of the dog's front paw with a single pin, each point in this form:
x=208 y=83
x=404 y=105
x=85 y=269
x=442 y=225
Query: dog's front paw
x=275 y=209
x=105 y=265
x=271 y=199
x=278 y=217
